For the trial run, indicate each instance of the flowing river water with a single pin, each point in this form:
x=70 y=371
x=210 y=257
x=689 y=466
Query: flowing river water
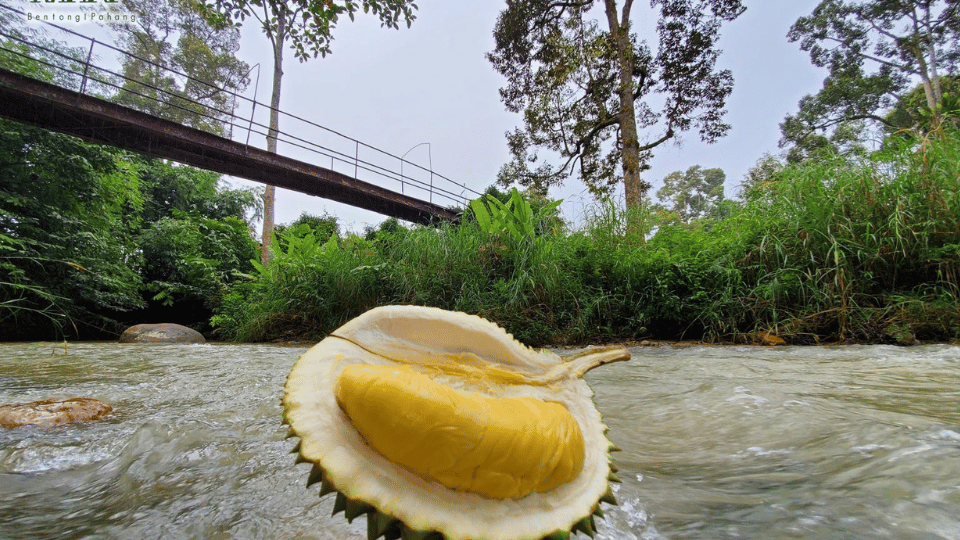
x=855 y=442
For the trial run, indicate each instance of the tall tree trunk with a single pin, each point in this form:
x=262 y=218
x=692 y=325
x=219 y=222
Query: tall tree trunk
x=269 y=194
x=634 y=187
x=928 y=70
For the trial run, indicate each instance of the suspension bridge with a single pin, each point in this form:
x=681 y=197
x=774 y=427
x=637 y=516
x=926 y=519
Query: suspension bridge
x=85 y=101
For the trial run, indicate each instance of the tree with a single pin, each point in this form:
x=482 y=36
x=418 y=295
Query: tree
x=586 y=92
x=760 y=181
x=194 y=241
x=47 y=60
x=188 y=261
x=87 y=230
x=322 y=227
x=911 y=111
x=693 y=194
x=67 y=250
x=171 y=35
x=168 y=188
x=308 y=26
x=846 y=139
x=905 y=42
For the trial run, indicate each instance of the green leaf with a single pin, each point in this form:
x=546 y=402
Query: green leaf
x=482 y=215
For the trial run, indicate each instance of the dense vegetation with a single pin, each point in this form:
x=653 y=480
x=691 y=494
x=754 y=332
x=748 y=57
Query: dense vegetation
x=839 y=249
x=848 y=247
x=838 y=244
x=91 y=237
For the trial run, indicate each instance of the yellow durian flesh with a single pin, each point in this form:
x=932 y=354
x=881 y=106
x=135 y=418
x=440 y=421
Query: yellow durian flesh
x=468 y=354
x=495 y=447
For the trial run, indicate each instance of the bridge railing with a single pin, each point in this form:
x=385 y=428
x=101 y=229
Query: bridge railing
x=83 y=69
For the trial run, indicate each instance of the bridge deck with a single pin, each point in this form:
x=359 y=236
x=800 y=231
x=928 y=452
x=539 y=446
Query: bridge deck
x=45 y=105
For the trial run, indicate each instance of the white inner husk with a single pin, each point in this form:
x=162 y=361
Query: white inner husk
x=362 y=474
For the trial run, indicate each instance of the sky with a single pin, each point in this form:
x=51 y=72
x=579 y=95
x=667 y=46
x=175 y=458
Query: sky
x=431 y=83
x=428 y=93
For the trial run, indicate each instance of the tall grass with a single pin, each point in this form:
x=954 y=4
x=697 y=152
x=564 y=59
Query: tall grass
x=846 y=244
x=834 y=250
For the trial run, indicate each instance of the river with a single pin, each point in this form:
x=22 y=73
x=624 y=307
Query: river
x=854 y=442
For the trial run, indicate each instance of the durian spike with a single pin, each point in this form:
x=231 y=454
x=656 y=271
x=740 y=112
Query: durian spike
x=575 y=365
x=340 y=504
x=316 y=475
x=326 y=487
x=608 y=497
x=586 y=526
x=379 y=524
x=355 y=509
x=410 y=534
x=559 y=535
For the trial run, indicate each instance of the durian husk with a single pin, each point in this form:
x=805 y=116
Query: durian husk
x=474 y=355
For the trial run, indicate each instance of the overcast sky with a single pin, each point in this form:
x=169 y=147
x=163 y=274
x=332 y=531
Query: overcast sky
x=396 y=89
x=431 y=83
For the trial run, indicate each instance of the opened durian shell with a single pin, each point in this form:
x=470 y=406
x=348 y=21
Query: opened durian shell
x=471 y=355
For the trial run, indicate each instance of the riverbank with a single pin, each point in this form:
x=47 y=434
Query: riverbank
x=844 y=249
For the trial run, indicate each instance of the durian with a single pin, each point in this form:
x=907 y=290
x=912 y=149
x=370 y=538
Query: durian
x=437 y=424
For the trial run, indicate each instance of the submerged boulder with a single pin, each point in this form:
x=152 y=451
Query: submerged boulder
x=161 y=333
x=52 y=412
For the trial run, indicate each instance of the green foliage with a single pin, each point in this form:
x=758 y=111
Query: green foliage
x=324 y=226
x=515 y=219
x=170 y=187
x=168 y=36
x=195 y=239
x=310 y=287
x=65 y=224
x=912 y=115
x=840 y=249
x=51 y=61
x=600 y=99
x=844 y=237
x=21 y=300
x=308 y=24
x=189 y=259
x=693 y=194
x=901 y=40
x=90 y=235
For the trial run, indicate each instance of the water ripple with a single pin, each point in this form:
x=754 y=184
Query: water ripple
x=739 y=442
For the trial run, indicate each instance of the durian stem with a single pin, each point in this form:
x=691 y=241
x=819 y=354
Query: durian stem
x=576 y=365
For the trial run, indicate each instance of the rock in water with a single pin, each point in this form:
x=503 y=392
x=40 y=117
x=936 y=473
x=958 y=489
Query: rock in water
x=52 y=412
x=437 y=424
x=161 y=333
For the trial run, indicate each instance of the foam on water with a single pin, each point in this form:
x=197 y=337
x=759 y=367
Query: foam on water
x=738 y=442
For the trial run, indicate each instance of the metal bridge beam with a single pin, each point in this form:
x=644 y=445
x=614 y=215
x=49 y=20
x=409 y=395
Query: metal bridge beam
x=45 y=105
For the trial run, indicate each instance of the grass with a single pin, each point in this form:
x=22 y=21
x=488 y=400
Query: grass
x=838 y=250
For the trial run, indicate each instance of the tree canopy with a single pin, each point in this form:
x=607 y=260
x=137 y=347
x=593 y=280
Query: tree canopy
x=594 y=93
x=694 y=193
x=171 y=37
x=308 y=27
x=91 y=235
x=308 y=24
x=876 y=51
